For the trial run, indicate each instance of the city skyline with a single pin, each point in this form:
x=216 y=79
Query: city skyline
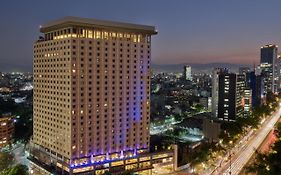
x=196 y=32
x=95 y=102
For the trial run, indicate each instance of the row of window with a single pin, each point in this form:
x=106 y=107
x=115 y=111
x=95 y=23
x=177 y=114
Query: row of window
x=98 y=60
x=91 y=33
x=90 y=48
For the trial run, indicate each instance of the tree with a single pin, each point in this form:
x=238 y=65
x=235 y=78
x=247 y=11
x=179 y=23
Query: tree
x=6 y=160
x=278 y=130
x=201 y=154
x=178 y=117
x=259 y=166
x=268 y=164
x=16 y=170
x=198 y=107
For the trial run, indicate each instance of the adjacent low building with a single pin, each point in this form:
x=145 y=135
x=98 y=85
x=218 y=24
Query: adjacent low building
x=201 y=127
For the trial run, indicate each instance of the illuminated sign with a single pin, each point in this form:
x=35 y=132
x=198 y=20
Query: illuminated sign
x=117 y=163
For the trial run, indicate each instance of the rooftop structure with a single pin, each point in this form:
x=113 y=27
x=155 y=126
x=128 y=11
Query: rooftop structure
x=97 y=24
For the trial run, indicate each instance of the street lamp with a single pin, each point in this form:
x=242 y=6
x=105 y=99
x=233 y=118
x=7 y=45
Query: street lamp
x=230 y=143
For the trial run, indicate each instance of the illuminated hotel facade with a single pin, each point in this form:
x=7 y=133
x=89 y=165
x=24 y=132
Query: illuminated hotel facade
x=92 y=96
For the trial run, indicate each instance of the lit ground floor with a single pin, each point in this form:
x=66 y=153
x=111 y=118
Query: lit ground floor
x=157 y=169
x=162 y=169
x=143 y=164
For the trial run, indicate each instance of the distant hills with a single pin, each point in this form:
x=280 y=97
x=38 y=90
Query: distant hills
x=206 y=68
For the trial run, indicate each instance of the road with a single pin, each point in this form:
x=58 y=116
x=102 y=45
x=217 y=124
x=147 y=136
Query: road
x=240 y=157
x=20 y=155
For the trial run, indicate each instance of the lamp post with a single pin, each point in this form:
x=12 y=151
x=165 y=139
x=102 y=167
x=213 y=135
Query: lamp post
x=230 y=143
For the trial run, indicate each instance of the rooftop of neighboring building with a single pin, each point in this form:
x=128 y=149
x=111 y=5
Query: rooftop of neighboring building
x=4 y=116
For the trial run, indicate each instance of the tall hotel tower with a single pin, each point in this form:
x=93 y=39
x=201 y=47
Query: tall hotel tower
x=92 y=95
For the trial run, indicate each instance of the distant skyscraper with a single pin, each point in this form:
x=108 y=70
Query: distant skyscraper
x=256 y=86
x=279 y=70
x=92 y=95
x=267 y=77
x=215 y=89
x=187 y=73
x=231 y=90
x=244 y=70
x=247 y=100
x=269 y=67
x=258 y=70
x=269 y=53
x=240 y=94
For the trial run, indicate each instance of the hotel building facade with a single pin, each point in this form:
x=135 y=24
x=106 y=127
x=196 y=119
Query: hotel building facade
x=92 y=96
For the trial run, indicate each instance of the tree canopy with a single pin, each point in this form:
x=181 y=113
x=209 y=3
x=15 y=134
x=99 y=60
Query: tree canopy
x=268 y=163
x=6 y=160
x=16 y=170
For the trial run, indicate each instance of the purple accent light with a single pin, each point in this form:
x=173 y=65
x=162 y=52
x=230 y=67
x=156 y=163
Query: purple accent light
x=106 y=160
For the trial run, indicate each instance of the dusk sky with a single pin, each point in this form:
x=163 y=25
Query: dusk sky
x=201 y=31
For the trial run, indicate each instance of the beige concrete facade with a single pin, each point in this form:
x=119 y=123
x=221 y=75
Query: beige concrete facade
x=91 y=91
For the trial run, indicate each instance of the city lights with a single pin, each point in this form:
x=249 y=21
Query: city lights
x=82 y=95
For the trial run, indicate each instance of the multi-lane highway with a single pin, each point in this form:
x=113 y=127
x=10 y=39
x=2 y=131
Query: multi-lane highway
x=241 y=156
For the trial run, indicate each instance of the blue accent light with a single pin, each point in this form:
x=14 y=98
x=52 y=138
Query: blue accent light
x=135 y=152
x=107 y=160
